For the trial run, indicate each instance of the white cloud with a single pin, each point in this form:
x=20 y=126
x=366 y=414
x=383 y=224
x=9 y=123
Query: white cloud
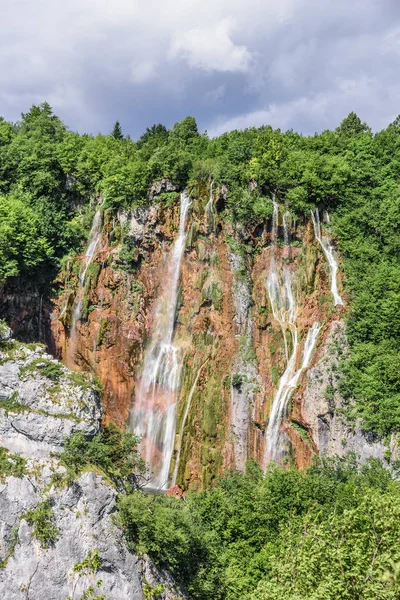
x=163 y=59
x=323 y=110
x=211 y=48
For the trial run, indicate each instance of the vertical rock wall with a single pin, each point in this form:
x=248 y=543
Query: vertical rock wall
x=234 y=351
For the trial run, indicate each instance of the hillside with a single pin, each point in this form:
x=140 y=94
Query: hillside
x=237 y=301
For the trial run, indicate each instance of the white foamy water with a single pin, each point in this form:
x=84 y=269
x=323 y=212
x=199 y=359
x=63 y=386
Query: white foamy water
x=210 y=211
x=154 y=413
x=327 y=248
x=284 y=309
x=94 y=239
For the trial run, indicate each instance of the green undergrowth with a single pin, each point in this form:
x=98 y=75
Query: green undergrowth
x=328 y=532
x=111 y=452
x=42 y=520
x=11 y=464
x=12 y=405
x=50 y=369
x=12 y=543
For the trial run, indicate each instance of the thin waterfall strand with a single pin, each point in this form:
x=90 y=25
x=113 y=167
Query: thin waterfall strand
x=153 y=415
x=185 y=416
x=94 y=238
x=327 y=248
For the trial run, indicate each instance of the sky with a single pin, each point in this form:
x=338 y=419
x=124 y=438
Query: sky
x=292 y=64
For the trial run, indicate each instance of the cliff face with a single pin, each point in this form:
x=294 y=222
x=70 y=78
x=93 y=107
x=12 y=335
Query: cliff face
x=42 y=402
x=321 y=406
x=235 y=331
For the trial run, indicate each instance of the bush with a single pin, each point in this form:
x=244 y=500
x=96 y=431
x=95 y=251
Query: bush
x=246 y=537
x=42 y=519
x=11 y=464
x=112 y=451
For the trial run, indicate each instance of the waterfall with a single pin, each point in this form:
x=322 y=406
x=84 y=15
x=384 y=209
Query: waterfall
x=327 y=248
x=94 y=238
x=185 y=416
x=280 y=292
x=210 y=211
x=153 y=415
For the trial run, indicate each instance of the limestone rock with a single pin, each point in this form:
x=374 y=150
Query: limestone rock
x=83 y=517
x=332 y=433
x=162 y=186
x=42 y=402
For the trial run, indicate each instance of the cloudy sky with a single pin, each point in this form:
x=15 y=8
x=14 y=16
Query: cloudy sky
x=301 y=64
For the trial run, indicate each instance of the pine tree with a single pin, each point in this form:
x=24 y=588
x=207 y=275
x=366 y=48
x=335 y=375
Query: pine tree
x=117 y=131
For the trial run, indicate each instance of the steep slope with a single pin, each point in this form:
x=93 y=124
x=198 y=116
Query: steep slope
x=253 y=306
x=57 y=539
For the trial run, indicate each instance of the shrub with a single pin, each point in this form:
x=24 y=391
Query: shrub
x=11 y=464
x=112 y=451
x=42 y=520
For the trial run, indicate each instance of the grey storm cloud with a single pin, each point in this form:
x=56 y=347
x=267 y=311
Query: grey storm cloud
x=301 y=64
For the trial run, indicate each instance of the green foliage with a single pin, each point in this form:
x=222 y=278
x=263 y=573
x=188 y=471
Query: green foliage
x=85 y=569
x=117 y=131
x=11 y=464
x=21 y=246
x=12 y=542
x=42 y=519
x=112 y=451
x=152 y=593
x=129 y=256
x=48 y=368
x=325 y=533
x=237 y=380
x=3 y=328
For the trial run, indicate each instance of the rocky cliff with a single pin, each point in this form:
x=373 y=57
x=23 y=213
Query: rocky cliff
x=235 y=348
x=57 y=539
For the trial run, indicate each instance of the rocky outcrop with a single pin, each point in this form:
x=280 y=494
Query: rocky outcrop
x=323 y=408
x=233 y=350
x=160 y=187
x=245 y=379
x=25 y=305
x=41 y=403
x=84 y=523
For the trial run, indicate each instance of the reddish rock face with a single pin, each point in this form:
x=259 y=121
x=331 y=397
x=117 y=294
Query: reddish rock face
x=175 y=492
x=218 y=350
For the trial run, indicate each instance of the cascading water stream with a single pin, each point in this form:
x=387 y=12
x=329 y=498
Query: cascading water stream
x=210 y=211
x=185 y=416
x=284 y=310
x=329 y=255
x=153 y=415
x=94 y=238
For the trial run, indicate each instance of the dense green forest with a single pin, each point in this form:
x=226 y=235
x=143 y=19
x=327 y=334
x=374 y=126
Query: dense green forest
x=327 y=533
x=50 y=177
